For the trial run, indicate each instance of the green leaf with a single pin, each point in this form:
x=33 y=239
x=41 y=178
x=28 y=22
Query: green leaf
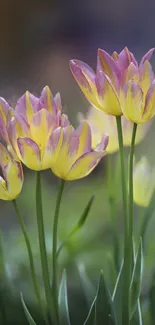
x=136 y=281
x=63 y=301
x=152 y=298
x=137 y=317
x=117 y=296
x=104 y=305
x=28 y=316
x=90 y=320
x=87 y=286
x=78 y=226
x=85 y=212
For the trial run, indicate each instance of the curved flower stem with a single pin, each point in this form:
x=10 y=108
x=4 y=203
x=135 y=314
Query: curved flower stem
x=42 y=244
x=31 y=261
x=125 y=308
x=54 y=255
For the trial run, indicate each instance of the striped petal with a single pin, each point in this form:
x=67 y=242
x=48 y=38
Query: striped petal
x=132 y=102
x=149 y=109
x=107 y=95
x=83 y=133
x=108 y=65
x=146 y=76
x=85 y=78
x=14 y=178
x=29 y=153
x=147 y=56
x=3 y=190
x=132 y=72
x=42 y=124
x=47 y=101
x=84 y=165
x=4 y=110
x=26 y=106
x=53 y=147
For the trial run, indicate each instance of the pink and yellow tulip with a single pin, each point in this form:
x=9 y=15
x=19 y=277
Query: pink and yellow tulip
x=73 y=156
x=12 y=178
x=120 y=85
x=30 y=127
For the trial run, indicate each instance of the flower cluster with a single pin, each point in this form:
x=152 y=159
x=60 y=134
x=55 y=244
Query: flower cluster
x=120 y=85
x=39 y=135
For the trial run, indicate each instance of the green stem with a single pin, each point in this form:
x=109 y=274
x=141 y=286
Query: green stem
x=123 y=175
x=54 y=255
x=31 y=261
x=125 y=214
x=131 y=222
x=42 y=244
x=112 y=186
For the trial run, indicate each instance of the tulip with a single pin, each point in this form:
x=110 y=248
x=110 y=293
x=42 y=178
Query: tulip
x=30 y=126
x=12 y=178
x=143 y=182
x=73 y=156
x=101 y=123
x=120 y=85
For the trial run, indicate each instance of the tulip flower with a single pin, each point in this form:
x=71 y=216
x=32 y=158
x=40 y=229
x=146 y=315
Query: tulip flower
x=101 y=123
x=30 y=126
x=12 y=178
x=143 y=182
x=73 y=156
x=120 y=85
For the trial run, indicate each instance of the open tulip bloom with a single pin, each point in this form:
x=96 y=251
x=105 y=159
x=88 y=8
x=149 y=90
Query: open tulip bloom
x=120 y=85
x=38 y=134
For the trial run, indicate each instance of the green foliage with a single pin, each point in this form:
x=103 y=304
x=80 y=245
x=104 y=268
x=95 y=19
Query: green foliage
x=27 y=313
x=63 y=301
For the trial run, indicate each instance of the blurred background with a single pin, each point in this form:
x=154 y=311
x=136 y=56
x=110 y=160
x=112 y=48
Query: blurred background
x=37 y=40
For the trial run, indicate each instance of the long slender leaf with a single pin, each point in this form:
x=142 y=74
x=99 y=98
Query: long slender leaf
x=137 y=317
x=87 y=286
x=28 y=316
x=104 y=305
x=136 y=280
x=90 y=320
x=63 y=301
x=117 y=296
x=78 y=226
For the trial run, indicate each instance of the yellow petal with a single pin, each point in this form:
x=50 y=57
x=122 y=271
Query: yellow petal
x=3 y=190
x=29 y=153
x=14 y=176
x=146 y=76
x=107 y=97
x=41 y=127
x=84 y=166
x=132 y=102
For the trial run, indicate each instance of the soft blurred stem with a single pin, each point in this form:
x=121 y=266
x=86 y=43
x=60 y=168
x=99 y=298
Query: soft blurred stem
x=3 y=279
x=112 y=185
x=31 y=261
x=131 y=215
x=54 y=255
x=2 y=263
x=42 y=244
x=146 y=219
x=125 y=316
